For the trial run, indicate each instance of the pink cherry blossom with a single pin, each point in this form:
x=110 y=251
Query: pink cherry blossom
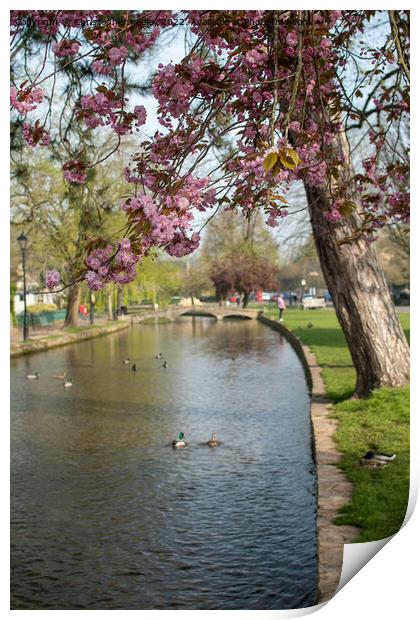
x=52 y=279
x=75 y=171
x=65 y=48
x=26 y=99
x=35 y=135
x=117 y=55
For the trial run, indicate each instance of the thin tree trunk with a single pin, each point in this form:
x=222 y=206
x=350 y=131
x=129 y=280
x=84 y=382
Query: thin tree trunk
x=110 y=311
x=361 y=297
x=71 y=319
x=245 y=300
x=119 y=300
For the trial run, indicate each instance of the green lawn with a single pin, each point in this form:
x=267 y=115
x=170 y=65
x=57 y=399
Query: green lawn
x=379 y=422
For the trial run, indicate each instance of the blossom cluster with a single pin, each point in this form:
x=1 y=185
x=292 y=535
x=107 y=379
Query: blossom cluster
x=36 y=134
x=52 y=279
x=75 y=171
x=26 y=99
x=109 y=264
x=107 y=108
x=66 y=47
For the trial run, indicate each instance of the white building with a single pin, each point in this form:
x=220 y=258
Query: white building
x=31 y=299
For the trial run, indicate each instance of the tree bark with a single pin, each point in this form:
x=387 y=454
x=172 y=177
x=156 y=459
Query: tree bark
x=119 y=300
x=72 y=313
x=110 y=311
x=361 y=297
x=245 y=300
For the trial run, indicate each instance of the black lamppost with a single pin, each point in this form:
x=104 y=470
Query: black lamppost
x=91 y=307
x=23 y=242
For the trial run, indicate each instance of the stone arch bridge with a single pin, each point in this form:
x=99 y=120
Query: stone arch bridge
x=211 y=310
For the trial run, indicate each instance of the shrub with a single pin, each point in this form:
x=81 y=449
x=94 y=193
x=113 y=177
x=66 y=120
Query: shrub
x=34 y=308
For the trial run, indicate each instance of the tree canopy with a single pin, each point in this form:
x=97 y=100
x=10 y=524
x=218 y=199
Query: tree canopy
x=243 y=273
x=280 y=86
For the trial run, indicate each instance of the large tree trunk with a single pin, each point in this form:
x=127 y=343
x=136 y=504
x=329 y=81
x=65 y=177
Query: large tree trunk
x=71 y=319
x=361 y=297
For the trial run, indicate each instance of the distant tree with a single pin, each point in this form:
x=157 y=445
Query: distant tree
x=60 y=218
x=157 y=280
x=229 y=232
x=243 y=273
x=305 y=265
x=196 y=281
x=394 y=256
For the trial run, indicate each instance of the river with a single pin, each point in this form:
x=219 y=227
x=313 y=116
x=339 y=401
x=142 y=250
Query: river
x=106 y=515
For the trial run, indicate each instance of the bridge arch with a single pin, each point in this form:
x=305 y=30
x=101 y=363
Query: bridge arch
x=237 y=315
x=190 y=312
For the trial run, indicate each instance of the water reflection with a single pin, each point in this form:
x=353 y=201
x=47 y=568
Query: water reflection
x=106 y=515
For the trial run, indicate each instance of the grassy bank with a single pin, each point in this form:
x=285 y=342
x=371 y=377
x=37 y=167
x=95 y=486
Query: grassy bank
x=379 y=422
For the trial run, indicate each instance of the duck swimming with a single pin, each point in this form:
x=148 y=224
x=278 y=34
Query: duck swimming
x=68 y=383
x=213 y=441
x=33 y=376
x=60 y=375
x=165 y=364
x=134 y=367
x=126 y=361
x=180 y=442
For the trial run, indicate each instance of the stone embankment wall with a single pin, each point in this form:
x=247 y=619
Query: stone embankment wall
x=59 y=340
x=334 y=489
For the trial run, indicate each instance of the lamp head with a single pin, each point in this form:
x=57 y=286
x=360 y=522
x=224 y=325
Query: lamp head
x=23 y=241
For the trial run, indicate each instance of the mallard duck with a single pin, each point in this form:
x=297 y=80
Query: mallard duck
x=68 y=383
x=134 y=367
x=165 y=364
x=213 y=441
x=33 y=376
x=60 y=375
x=158 y=356
x=180 y=442
x=376 y=459
x=126 y=361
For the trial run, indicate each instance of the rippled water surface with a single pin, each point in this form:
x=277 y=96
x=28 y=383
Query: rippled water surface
x=106 y=515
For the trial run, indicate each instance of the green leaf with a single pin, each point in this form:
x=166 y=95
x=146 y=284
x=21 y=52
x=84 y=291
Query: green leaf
x=289 y=158
x=270 y=161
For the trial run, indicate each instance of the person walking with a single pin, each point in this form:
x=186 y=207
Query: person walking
x=281 y=306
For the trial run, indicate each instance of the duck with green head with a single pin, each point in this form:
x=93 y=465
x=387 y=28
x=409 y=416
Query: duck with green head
x=180 y=442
